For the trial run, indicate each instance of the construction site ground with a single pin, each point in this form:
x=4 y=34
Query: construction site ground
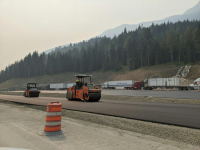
x=21 y=124
x=62 y=94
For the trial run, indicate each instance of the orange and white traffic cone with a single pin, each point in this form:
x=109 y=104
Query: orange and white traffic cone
x=53 y=120
x=53 y=117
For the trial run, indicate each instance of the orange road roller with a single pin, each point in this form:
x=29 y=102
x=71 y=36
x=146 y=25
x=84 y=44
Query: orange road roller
x=83 y=91
x=31 y=90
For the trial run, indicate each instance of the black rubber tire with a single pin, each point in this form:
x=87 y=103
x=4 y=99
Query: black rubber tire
x=191 y=88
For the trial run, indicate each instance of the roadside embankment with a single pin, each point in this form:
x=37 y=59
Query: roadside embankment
x=99 y=77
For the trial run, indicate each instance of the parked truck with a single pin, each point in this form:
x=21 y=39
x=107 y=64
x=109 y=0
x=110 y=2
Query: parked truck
x=195 y=85
x=126 y=84
x=154 y=83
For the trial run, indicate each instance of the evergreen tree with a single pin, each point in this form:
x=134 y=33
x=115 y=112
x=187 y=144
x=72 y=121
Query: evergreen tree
x=147 y=37
x=157 y=44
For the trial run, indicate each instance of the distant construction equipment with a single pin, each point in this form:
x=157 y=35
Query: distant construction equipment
x=31 y=90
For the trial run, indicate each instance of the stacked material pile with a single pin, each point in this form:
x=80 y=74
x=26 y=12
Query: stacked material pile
x=180 y=71
x=183 y=72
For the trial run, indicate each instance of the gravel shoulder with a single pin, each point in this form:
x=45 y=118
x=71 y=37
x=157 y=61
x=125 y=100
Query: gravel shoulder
x=124 y=131
x=119 y=98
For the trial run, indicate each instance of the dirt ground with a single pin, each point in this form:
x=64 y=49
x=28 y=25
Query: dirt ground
x=159 y=71
x=194 y=72
x=21 y=125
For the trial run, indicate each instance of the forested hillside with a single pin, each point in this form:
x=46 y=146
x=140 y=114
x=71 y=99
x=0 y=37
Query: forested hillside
x=158 y=44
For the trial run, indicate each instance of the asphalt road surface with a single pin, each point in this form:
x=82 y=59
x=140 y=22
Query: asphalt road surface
x=154 y=93
x=187 y=115
x=163 y=94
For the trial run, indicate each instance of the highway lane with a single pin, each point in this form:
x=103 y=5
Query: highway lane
x=163 y=94
x=154 y=93
x=187 y=115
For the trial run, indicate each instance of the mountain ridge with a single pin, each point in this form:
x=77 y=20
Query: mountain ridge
x=190 y=14
x=194 y=9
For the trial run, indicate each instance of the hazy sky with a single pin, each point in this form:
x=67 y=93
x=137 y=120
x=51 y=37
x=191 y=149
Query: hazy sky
x=29 y=25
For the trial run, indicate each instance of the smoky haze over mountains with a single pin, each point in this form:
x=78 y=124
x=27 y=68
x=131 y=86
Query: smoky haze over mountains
x=34 y=25
x=195 y=9
x=191 y=14
x=168 y=42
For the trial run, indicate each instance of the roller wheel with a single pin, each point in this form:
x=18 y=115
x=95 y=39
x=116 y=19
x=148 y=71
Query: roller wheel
x=24 y=94
x=85 y=96
x=69 y=95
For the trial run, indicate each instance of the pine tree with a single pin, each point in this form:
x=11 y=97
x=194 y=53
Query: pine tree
x=143 y=47
x=147 y=37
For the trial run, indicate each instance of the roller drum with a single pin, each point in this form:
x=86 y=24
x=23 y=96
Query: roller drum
x=94 y=96
x=69 y=95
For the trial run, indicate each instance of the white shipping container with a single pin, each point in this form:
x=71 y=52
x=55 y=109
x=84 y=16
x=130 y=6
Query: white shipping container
x=163 y=82
x=172 y=81
x=119 y=88
x=68 y=85
x=57 y=86
x=156 y=82
x=125 y=83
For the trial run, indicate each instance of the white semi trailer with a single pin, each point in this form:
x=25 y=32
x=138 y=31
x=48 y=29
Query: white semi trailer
x=168 y=83
x=61 y=86
x=68 y=85
x=163 y=81
x=126 y=84
x=57 y=86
